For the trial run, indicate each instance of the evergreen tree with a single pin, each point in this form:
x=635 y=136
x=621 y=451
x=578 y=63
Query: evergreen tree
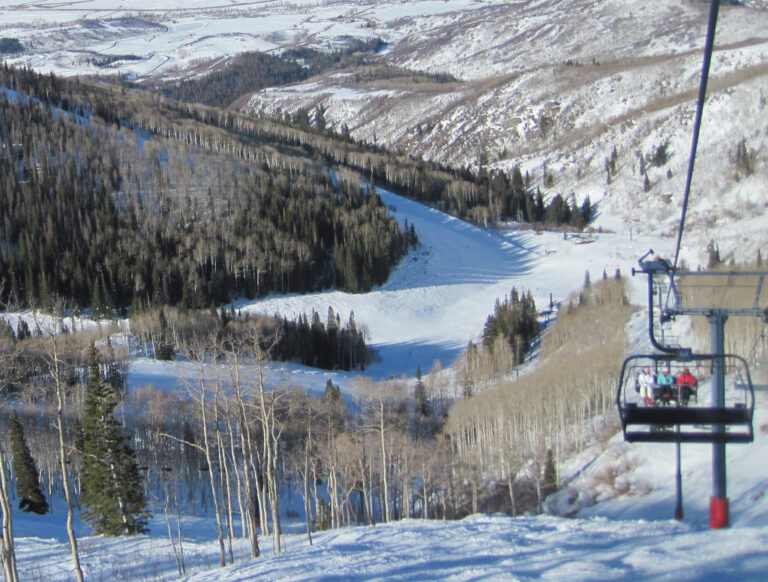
x=586 y=210
x=31 y=496
x=516 y=320
x=335 y=407
x=6 y=329
x=423 y=422
x=549 y=484
x=713 y=255
x=744 y=159
x=660 y=155
x=112 y=496
x=98 y=305
x=22 y=331
x=423 y=408
x=164 y=349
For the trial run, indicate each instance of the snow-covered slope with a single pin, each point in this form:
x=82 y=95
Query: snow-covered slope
x=623 y=527
x=619 y=90
x=476 y=548
x=567 y=86
x=546 y=83
x=632 y=537
x=439 y=297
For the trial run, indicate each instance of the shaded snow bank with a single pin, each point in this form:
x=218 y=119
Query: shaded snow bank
x=476 y=548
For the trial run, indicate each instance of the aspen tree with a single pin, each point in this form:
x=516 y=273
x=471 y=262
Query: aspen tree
x=252 y=492
x=266 y=405
x=7 y=548
x=200 y=354
x=55 y=365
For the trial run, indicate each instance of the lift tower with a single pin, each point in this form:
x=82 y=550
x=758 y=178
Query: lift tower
x=716 y=296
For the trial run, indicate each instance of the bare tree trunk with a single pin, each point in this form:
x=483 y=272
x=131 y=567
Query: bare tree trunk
x=251 y=493
x=120 y=503
x=371 y=499
x=511 y=485
x=198 y=393
x=7 y=551
x=271 y=444
x=212 y=477
x=406 y=491
x=333 y=491
x=385 y=484
x=226 y=497
x=315 y=496
x=56 y=372
x=274 y=503
x=226 y=491
x=307 y=505
x=261 y=496
x=365 y=484
x=177 y=552
x=425 y=484
x=238 y=483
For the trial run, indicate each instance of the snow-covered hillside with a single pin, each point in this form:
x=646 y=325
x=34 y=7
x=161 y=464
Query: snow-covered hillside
x=622 y=526
x=476 y=548
x=439 y=297
x=538 y=82
x=559 y=85
x=566 y=87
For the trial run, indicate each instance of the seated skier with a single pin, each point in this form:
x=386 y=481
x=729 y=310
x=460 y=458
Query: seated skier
x=664 y=383
x=645 y=382
x=686 y=385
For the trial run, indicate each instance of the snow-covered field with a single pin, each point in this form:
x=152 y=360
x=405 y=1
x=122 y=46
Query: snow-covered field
x=63 y=37
x=476 y=548
x=434 y=303
x=438 y=298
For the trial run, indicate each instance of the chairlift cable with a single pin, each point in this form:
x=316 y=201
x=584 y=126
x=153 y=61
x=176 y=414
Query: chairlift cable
x=710 y=42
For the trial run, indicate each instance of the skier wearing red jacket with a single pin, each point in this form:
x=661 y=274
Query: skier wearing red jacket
x=686 y=384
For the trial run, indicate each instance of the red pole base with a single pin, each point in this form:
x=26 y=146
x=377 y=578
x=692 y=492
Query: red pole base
x=678 y=513
x=718 y=512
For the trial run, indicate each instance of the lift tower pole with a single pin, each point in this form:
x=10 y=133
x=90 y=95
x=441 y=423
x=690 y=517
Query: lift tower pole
x=718 y=502
x=716 y=296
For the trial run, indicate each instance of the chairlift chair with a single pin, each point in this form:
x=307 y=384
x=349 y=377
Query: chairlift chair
x=670 y=417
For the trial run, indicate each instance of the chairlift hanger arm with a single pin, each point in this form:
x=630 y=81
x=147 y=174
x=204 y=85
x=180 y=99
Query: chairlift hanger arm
x=659 y=266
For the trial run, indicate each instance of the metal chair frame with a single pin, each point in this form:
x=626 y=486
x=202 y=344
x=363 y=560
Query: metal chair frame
x=680 y=423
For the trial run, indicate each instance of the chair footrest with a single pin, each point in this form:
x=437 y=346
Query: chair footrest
x=673 y=436
x=686 y=415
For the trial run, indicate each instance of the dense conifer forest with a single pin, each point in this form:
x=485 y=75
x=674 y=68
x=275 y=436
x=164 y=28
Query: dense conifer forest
x=112 y=216
x=328 y=344
x=251 y=71
x=115 y=198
